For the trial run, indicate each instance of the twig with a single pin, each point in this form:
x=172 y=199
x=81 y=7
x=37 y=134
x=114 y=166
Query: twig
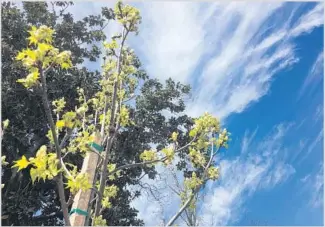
x=66 y=137
x=129 y=99
x=70 y=200
x=174 y=190
x=66 y=154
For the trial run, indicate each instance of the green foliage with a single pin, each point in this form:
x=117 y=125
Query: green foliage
x=78 y=181
x=22 y=163
x=213 y=173
x=43 y=53
x=37 y=61
x=5 y=124
x=111 y=168
x=45 y=165
x=99 y=221
x=109 y=193
x=128 y=16
x=43 y=35
x=148 y=155
x=169 y=153
x=174 y=136
x=193 y=182
x=3 y=161
x=197 y=158
x=124 y=116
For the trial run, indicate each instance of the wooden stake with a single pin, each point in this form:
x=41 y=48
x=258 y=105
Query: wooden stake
x=78 y=213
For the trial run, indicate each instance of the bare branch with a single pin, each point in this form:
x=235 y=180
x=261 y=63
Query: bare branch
x=66 y=154
x=174 y=190
x=184 y=219
x=70 y=200
x=130 y=98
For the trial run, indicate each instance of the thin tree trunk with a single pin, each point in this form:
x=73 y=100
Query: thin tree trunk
x=109 y=144
x=59 y=179
x=174 y=218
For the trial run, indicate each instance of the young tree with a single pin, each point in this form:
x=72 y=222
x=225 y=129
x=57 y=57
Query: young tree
x=95 y=123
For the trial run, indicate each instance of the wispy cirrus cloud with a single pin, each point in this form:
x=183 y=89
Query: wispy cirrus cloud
x=313 y=185
x=229 y=53
x=317 y=142
x=317 y=198
x=310 y=20
x=248 y=139
x=262 y=169
x=314 y=76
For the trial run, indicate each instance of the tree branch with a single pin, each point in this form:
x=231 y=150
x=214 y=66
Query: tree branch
x=140 y=164
x=130 y=98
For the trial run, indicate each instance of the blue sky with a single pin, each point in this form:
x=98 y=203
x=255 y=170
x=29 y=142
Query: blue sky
x=259 y=67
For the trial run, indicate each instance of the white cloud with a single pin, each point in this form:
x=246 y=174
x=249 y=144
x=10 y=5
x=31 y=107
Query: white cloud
x=279 y=174
x=247 y=140
x=305 y=178
x=319 y=113
x=313 y=186
x=81 y=10
x=314 y=76
x=315 y=143
x=300 y=147
x=318 y=189
x=229 y=53
x=169 y=44
x=307 y=22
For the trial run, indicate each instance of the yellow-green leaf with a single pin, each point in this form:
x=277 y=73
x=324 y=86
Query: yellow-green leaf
x=60 y=124
x=5 y=123
x=22 y=163
x=174 y=136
